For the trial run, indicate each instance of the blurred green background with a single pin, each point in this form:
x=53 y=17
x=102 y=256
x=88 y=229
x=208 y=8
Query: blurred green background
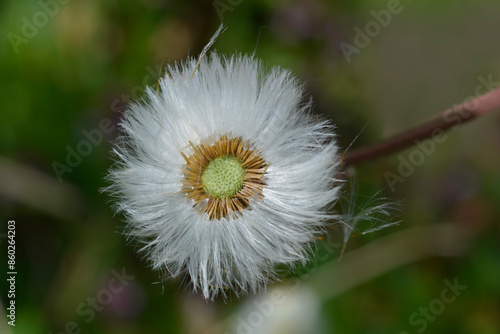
x=68 y=68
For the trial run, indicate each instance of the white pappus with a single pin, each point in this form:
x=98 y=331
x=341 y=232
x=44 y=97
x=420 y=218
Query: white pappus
x=224 y=173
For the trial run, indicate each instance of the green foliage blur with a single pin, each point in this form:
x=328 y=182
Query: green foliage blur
x=68 y=69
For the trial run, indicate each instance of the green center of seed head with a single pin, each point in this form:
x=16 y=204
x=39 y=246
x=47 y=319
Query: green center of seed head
x=223 y=177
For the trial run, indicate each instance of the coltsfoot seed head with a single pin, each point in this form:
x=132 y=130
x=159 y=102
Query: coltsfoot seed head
x=225 y=174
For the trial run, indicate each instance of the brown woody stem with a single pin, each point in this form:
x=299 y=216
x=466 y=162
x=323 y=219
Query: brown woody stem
x=448 y=119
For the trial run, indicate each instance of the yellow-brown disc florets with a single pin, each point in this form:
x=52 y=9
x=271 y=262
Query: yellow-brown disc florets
x=220 y=178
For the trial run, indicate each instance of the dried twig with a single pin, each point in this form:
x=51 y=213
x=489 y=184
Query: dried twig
x=449 y=119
